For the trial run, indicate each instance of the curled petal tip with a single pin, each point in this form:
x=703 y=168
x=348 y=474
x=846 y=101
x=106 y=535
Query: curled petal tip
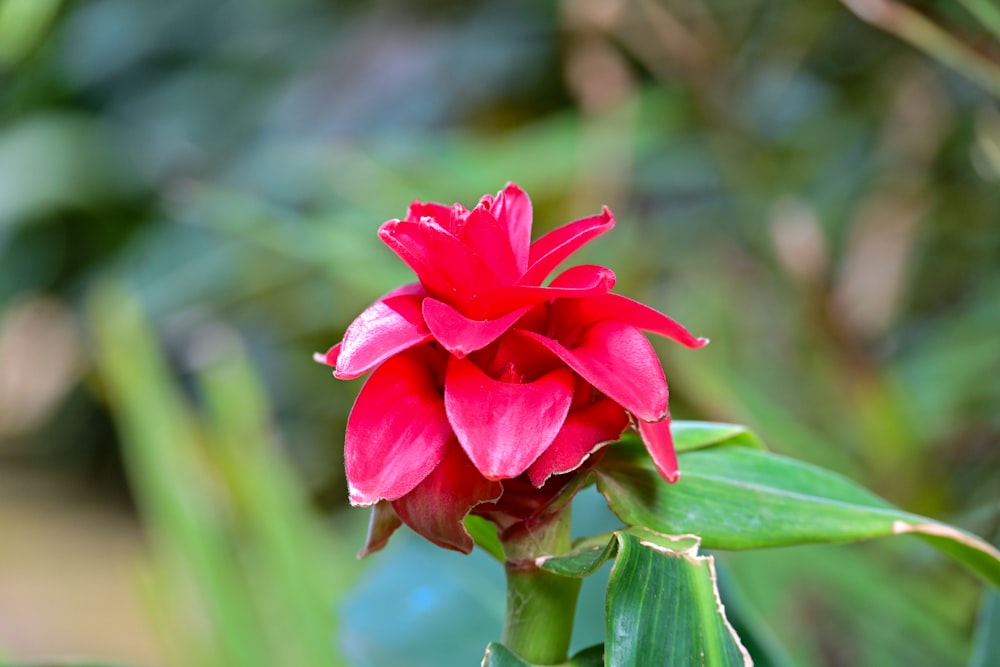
x=702 y=342
x=673 y=477
x=328 y=358
x=359 y=499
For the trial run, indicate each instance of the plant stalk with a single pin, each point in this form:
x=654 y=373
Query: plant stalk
x=540 y=605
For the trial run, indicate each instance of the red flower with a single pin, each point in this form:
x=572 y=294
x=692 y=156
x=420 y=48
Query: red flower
x=488 y=388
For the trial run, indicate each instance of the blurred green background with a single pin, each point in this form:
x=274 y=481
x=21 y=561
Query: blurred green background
x=189 y=194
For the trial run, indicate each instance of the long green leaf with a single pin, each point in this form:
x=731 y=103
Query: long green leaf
x=986 y=644
x=738 y=498
x=161 y=438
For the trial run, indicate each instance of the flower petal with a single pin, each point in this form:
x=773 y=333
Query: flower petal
x=460 y=335
x=385 y=328
x=549 y=251
x=329 y=357
x=437 y=507
x=618 y=360
x=446 y=266
x=660 y=445
x=446 y=216
x=398 y=429
x=381 y=525
x=505 y=426
x=623 y=309
x=584 y=432
x=481 y=232
x=575 y=282
x=512 y=209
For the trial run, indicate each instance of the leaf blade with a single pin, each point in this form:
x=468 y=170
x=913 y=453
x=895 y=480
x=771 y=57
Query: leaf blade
x=663 y=608
x=738 y=498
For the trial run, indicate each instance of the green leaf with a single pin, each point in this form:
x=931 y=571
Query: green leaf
x=662 y=606
x=590 y=556
x=986 y=649
x=986 y=644
x=484 y=533
x=664 y=609
x=592 y=656
x=689 y=435
x=739 y=498
x=498 y=655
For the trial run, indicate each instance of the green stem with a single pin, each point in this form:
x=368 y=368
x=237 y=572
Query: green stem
x=540 y=605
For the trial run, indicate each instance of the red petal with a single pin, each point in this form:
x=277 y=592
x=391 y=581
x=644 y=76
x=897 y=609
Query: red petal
x=512 y=209
x=445 y=266
x=549 y=251
x=481 y=232
x=397 y=430
x=437 y=507
x=385 y=328
x=575 y=282
x=584 y=432
x=441 y=214
x=382 y=524
x=623 y=309
x=505 y=426
x=660 y=445
x=618 y=360
x=460 y=335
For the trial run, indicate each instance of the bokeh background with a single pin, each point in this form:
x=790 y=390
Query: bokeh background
x=189 y=193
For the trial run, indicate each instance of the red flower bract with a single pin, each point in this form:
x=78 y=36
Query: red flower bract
x=489 y=389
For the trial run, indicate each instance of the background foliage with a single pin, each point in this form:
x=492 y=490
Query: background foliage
x=188 y=198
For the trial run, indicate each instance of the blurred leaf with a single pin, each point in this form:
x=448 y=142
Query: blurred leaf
x=230 y=537
x=22 y=26
x=689 y=435
x=77 y=154
x=754 y=630
x=736 y=498
x=986 y=642
x=299 y=581
x=987 y=13
x=911 y=26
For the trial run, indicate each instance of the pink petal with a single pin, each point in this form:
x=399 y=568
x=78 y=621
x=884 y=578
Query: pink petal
x=618 y=360
x=660 y=445
x=575 y=282
x=397 y=430
x=623 y=309
x=445 y=266
x=512 y=209
x=551 y=250
x=481 y=232
x=460 y=335
x=437 y=507
x=584 y=432
x=385 y=328
x=382 y=524
x=330 y=358
x=505 y=426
